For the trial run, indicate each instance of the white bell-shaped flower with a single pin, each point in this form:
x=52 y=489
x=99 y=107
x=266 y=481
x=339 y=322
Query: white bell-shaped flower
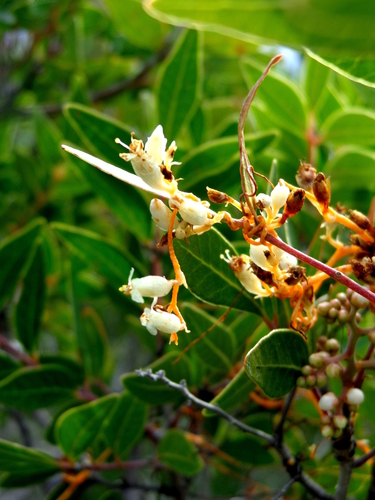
x=163 y=321
x=279 y=196
x=192 y=211
x=161 y=215
x=241 y=266
x=148 y=286
x=147 y=163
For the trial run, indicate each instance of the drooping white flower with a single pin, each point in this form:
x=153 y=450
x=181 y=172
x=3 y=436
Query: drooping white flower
x=241 y=266
x=267 y=258
x=279 y=196
x=163 y=321
x=161 y=214
x=148 y=286
x=148 y=163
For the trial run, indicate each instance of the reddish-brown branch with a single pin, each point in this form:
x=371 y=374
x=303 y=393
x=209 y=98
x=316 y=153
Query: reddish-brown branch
x=7 y=347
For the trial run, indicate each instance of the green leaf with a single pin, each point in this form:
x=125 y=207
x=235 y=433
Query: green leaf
x=217 y=156
x=208 y=276
x=7 y=365
x=156 y=392
x=36 y=387
x=103 y=255
x=131 y=20
x=233 y=395
x=275 y=363
x=359 y=69
x=179 y=454
x=14 y=253
x=75 y=369
x=217 y=348
x=296 y=24
x=239 y=445
x=180 y=83
x=124 y=426
x=284 y=102
x=77 y=428
x=315 y=82
x=350 y=126
x=29 y=308
x=27 y=465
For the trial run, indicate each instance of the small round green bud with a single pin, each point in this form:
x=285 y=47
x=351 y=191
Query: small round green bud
x=332 y=370
x=343 y=316
x=340 y=421
x=335 y=303
x=307 y=370
x=341 y=297
x=371 y=337
x=358 y=317
x=333 y=313
x=324 y=354
x=301 y=382
x=326 y=431
x=355 y=396
x=316 y=360
x=349 y=293
x=325 y=419
x=358 y=301
x=332 y=345
x=337 y=433
x=323 y=308
x=311 y=380
x=321 y=380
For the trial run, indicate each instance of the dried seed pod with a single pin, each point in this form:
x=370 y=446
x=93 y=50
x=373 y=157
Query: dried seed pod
x=305 y=176
x=364 y=269
x=294 y=203
x=322 y=190
x=218 y=196
x=361 y=220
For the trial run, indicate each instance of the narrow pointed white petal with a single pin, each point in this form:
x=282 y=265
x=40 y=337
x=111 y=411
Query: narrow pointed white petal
x=117 y=172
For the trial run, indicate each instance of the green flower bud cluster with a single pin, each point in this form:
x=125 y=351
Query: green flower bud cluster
x=338 y=308
x=332 y=427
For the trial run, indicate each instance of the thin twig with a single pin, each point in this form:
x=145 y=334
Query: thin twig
x=358 y=462
x=280 y=425
x=285 y=488
x=289 y=461
x=7 y=347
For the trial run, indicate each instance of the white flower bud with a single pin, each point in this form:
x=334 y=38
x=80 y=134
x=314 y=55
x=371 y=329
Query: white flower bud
x=279 y=196
x=328 y=402
x=355 y=396
x=161 y=214
x=264 y=200
x=148 y=286
x=191 y=211
x=156 y=144
x=160 y=320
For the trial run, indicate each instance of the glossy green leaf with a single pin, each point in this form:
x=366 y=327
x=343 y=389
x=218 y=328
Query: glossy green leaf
x=208 y=276
x=103 y=255
x=77 y=428
x=124 y=426
x=156 y=392
x=294 y=24
x=359 y=69
x=37 y=387
x=29 y=308
x=350 y=126
x=131 y=20
x=14 y=254
x=234 y=393
x=284 y=102
x=217 y=348
x=180 y=83
x=28 y=465
x=214 y=157
x=275 y=363
x=179 y=454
